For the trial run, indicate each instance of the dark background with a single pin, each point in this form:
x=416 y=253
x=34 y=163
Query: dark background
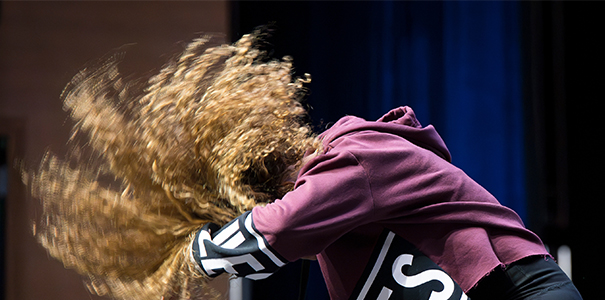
x=563 y=90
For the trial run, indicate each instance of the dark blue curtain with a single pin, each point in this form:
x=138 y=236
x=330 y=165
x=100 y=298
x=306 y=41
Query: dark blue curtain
x=458 y=64
x=483 y=96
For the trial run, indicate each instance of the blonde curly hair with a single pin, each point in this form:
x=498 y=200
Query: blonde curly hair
x=216 y=132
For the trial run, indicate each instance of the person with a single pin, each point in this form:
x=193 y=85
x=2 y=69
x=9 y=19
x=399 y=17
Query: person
x=389 y=217
x=209 y=167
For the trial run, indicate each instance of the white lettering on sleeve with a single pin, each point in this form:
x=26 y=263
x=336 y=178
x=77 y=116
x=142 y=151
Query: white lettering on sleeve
x=227 y=263
x=421 y=278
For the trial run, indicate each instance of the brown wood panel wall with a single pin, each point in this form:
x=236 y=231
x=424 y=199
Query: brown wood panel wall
x=42 y=45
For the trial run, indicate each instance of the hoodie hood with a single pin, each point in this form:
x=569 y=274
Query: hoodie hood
x=400 y=121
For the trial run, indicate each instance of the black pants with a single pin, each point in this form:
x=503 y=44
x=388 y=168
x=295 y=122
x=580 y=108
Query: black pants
x=535 y=278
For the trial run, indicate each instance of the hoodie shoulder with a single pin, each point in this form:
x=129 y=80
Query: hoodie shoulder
x=400 y=121
x=403 y=115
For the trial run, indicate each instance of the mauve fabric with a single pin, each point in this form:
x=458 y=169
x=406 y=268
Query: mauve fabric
x=395 y=174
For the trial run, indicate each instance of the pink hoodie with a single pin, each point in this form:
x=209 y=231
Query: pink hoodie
x=393 y=174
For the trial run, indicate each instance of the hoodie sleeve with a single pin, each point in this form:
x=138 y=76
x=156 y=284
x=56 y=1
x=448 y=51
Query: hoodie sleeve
x=331 y=197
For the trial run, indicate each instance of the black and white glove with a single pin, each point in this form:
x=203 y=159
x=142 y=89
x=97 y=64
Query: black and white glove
x=236 y=248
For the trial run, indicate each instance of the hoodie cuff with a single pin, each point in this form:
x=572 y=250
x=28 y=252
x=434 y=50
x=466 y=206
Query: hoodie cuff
x=237 y=248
